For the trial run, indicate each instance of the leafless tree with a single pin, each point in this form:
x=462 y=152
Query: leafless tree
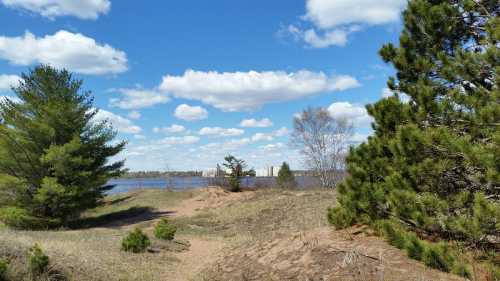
x=323 y=141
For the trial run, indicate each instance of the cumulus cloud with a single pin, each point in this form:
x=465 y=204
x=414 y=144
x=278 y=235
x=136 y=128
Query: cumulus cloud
x=353 y=113
x=254 y=123
x=64 y=49
x=272 y=147
x=8 y=81
x=327 y=14
x=179 y=140
x=174 y=128
x=190 y=113
x=220 y=132
x=119 y=123
x=134 y=115
x=387 y=93
x=137 y=98
x=83 y=9
x=283 y=131
x=247 y=91
x=334 y=20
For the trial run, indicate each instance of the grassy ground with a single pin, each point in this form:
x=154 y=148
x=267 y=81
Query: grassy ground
x=270 y=234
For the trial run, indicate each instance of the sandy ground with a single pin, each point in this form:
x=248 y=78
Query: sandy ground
x=202 y=251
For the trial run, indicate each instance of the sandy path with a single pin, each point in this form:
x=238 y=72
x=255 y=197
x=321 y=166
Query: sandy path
x=202 y=251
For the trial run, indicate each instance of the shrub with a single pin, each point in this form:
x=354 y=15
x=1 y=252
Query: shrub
x=285 y=176
x=136 y=242
x=339 y=217
x=414 y=247
x=38 y=261
x=436 y=256
x=238 y=170
x=165 y=230
x=20 y=218
x=3 y=269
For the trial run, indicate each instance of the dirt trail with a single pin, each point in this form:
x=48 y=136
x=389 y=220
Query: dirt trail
x=202 y=251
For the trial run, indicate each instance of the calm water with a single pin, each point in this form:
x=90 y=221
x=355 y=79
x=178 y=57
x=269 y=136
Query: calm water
x=180 y=183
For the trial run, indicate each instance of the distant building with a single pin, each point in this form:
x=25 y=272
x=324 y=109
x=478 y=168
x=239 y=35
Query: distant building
x=213 y=172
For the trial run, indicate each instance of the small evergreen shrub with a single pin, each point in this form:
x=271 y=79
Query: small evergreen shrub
x=414 y=247
x=38 y=261
x=286 y=179
x=339 y=217
x=165 y=230
x=136 y=242
x=3 y=269
x=436 y=256
x=21 y=219
x=461 y=268
x=394 y=236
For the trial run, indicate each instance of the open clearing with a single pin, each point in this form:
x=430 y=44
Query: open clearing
x=269 y=234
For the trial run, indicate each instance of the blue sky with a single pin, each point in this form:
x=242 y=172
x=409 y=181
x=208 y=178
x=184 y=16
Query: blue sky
x=187 y=82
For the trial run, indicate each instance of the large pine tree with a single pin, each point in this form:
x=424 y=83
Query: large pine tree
x=431 y=169
x=53 y=155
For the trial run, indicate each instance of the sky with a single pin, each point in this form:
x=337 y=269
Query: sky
x=187 y=82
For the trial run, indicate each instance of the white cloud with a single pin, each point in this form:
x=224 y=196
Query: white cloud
x=137 y=98
x=387 y=93
x=235 y=144
x=190 y=113
x=262 y=137
x=139 y=137
x=272 y=147
x=247 y=91
x=119 y=123
x=220 y=132
x=353 y=113
x=174 y=128
x=320 y=39
x=64 y=49
x=134 y=115
x=327 y=14
x=334 y=20
x=179 y=140
x=283 y=131
x=8 y=81
x=83 y=9
x=253 y=123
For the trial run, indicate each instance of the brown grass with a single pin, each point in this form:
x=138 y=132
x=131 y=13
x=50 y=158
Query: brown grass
x=270 y=234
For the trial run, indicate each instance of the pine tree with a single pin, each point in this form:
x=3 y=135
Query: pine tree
x=285 y=176
x=432 y=165
x=238 y=169
x=53 y=155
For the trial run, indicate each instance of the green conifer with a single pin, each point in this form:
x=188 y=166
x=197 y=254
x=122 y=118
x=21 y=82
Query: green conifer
x=433 y=162
x=53 y=155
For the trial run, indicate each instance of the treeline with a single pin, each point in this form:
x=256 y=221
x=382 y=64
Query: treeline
x=159 y=174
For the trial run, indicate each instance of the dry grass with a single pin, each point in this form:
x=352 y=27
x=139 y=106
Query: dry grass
x=270 y=234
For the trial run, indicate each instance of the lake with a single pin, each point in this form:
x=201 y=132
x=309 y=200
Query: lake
x=180 y=183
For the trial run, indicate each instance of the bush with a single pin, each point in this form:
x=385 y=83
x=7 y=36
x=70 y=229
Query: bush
x=165 y=230
x=436 y=256
x=3 y=269
x=21 y=219
x=286 y=178
x=38 y=262
x=136 y=242
x=339 y=217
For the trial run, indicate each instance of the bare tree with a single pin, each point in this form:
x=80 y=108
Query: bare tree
x=323 y=141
